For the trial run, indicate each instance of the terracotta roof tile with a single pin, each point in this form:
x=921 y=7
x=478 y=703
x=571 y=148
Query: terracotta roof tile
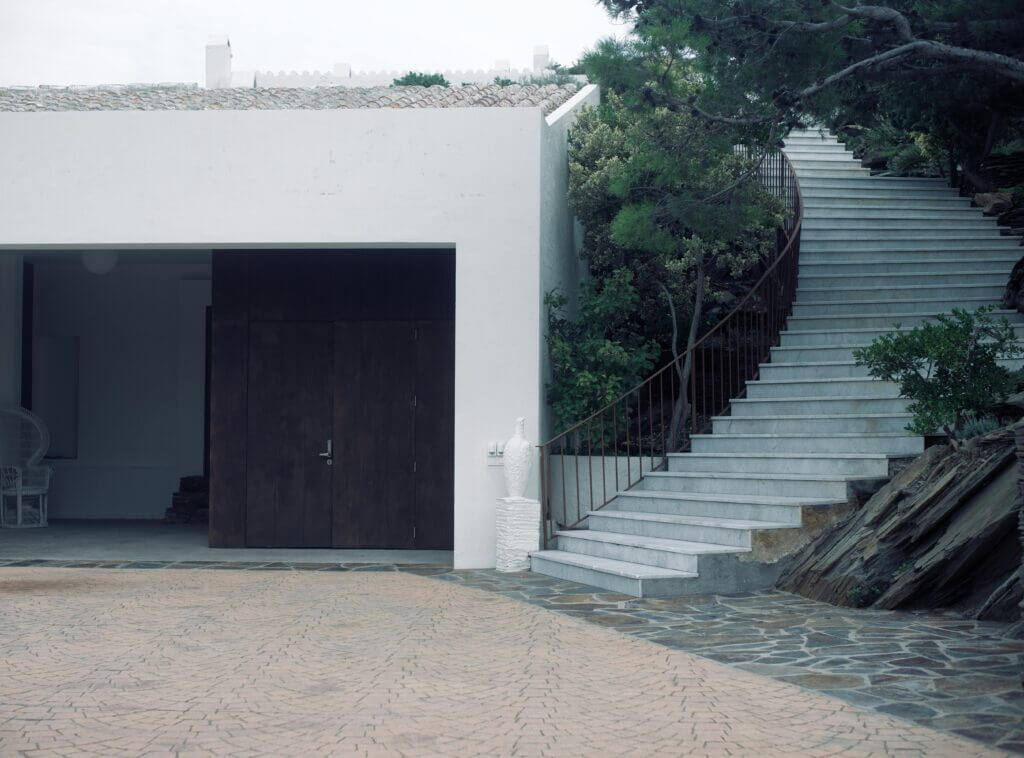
x=185 y=97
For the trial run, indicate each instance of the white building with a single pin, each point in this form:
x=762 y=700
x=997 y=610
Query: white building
x=375 y=260
x=220 y=72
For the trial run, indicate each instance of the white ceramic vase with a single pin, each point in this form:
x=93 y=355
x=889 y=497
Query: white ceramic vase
x=518 y=459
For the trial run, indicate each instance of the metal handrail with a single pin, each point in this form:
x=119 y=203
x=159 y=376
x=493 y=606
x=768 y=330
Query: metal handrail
x=722 y=361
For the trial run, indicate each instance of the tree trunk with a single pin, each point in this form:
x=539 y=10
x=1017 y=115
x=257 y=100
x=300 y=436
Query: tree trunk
x=681 y=409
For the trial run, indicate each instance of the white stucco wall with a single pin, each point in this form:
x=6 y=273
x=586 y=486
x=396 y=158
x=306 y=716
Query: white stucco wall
x=560 y=267
x=142 y=340
x=463 y=177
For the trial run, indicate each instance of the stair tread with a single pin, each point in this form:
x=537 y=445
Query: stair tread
x=824 y=380
x=798 y=301
x=684 y=547
x=829 y=398
x=745 y=475
x=814 y=456
x=705 y=497
x=611 y=566
x=718 y=521
x=812 y=415
x=824 y=435
x=841 y=331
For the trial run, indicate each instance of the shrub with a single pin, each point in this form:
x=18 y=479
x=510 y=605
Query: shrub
x=416 y=79
x=949 y=368
x=597 y=356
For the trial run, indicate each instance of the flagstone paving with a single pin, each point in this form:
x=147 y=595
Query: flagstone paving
x=942 y=671
x=201 y=662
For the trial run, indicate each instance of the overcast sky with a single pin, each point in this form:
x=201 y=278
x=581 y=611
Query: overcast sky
x=124 y=41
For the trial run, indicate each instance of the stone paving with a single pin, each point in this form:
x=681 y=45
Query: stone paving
x=200 y=662
x=940 y=671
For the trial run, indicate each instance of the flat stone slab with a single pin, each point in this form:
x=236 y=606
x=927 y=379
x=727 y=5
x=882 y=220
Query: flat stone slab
x=383 y=663
x=941 y=671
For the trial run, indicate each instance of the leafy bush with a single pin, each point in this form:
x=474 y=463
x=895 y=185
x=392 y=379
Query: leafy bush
x=949 y=368
x=416 y=79
x=975 y=426
x=599 y=355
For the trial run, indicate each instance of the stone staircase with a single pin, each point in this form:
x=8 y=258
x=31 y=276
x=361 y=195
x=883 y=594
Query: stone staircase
x=874 y=251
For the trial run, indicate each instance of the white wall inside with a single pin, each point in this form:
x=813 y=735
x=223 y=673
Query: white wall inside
x=141 y=331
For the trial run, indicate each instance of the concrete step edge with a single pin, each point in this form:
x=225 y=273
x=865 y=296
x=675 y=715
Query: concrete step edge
x=682 y=547
x=787 y=456
x=813 y=416
x=744 y=525
x=744 y=475
x=724 y=497
x=626 y=570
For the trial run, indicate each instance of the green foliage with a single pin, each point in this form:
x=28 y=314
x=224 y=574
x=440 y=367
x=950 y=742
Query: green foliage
x=752 y=59
x=503 y=82
x=863 y=595
x=417 y=79
x=975 y=426
x=598 y=355
x=905 y=153
x=949 y=368
x=663 y=203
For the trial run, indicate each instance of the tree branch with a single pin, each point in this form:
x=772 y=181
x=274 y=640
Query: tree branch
x=881 y=13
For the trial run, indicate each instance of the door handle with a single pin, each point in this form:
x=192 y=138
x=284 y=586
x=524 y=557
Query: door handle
x=328 y=454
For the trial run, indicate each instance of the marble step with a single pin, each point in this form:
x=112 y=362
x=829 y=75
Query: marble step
x=830 y=487
x=825 y=198
x=744 y=507
x=678 y=555
x=850 y=465
x=895 y=444
x=853 y=386
x=818 y=222
x=836 y=337
x=881 y=244
x=817 y=406
x=714 y=530
x=880 y=290
x=867 y=423
x=954 y=215
x=881 y=320
x=633 y=579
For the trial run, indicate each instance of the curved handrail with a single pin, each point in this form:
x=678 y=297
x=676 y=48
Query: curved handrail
x=772 y=295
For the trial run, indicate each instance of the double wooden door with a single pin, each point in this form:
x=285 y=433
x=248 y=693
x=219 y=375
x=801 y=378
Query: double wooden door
x=350 y=434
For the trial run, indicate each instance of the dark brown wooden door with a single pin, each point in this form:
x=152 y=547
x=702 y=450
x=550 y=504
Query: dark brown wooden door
x=435 y=434
x=374 y=434
x=288 y=485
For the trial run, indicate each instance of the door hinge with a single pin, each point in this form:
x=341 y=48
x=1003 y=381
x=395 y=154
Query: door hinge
x=414 y=532
x=415 y=466
x=415 y=334
x=415 y=401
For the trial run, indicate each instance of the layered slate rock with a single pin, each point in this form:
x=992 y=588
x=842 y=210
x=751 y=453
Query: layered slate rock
x=189 y=97
x=942 y=534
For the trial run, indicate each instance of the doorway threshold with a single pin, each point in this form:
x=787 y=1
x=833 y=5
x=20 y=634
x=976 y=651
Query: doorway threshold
x=153 y=542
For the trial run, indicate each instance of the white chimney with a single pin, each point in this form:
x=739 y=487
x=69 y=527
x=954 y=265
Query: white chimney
x=218 y=62
x=541 y=58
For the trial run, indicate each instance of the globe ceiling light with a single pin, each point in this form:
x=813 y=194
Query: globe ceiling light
x=99 y=262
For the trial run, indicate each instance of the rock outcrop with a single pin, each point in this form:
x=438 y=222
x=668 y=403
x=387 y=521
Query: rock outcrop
x=942 y=534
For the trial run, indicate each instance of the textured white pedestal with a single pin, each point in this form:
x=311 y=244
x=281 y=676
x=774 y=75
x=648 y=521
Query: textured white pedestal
x=517 y=525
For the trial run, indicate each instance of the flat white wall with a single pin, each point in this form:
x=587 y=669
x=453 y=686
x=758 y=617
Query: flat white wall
x=465 y=177
x=141 y=331
x=560 y=265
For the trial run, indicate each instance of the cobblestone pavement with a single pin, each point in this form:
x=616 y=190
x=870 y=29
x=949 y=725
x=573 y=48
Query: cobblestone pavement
x=937 y=670
x=108 y=662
